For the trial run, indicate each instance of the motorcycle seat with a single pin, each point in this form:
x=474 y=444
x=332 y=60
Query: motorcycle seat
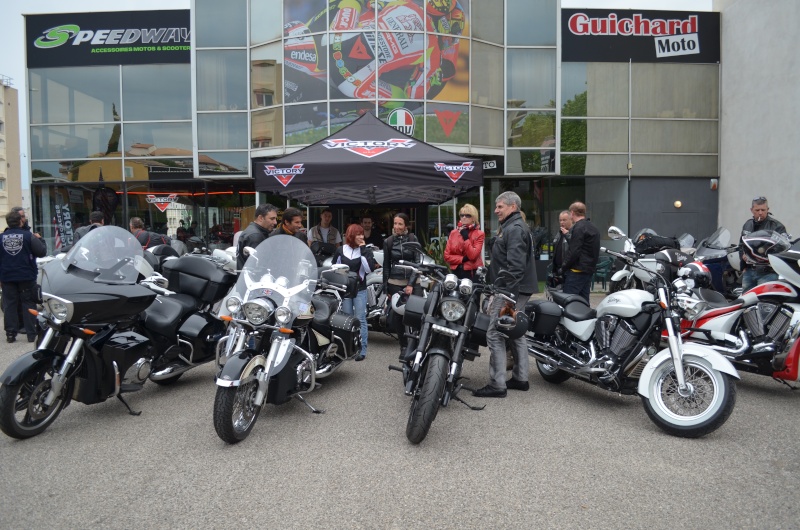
x=166 y=312
x=578 y=311
x=325 y=305
x=714 y=299
x=565 y=299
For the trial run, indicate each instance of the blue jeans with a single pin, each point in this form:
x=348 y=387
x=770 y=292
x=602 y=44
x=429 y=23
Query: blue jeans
x=359 y=303
x=751 y=277
x=577 y=283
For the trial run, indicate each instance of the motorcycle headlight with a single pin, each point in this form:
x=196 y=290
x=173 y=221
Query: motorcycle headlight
x=691 y=307
x=59 y=309
x=257 y=311
x=452 y=309
x=450 y=282
x=233 y=304
x=465 y=287
x=283 y=315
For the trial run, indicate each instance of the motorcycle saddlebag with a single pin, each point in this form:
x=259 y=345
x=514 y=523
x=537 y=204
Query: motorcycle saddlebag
x=414 y=311
x=544 y=316
x=198 y=277
x=478 y=331
x=348 y=328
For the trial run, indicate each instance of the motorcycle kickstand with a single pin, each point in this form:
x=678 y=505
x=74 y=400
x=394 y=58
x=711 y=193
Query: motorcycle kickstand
x=307 y=404
x=455 y=396
x=130 y=410
x=787 y=384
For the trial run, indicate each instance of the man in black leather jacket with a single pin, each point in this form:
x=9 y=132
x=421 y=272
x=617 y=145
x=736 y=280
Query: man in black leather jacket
x=754 y=274
x=257 y=231
x=583 y=253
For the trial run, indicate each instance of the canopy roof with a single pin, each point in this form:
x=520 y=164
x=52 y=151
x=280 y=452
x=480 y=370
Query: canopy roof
x=369 y=162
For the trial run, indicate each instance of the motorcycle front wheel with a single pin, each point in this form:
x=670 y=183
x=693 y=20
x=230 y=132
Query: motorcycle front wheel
x=425 y=402
x=235 y=411
x=703 y=409
x=23 y=413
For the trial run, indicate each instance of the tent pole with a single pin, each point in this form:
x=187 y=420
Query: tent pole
x=439 y=214
x=455 y=213
x=483 y=225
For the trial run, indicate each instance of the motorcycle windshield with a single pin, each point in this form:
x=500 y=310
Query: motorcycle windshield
x=721 y=238
x=110 y=252
x=283 y=269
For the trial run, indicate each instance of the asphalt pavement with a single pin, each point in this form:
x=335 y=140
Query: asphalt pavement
x=557 y=456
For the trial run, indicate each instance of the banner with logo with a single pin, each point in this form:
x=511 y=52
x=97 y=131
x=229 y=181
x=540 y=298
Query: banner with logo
x=121 y=37
x=602 y=35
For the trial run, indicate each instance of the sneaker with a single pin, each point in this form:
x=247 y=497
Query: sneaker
x=513 y=384
x=490 y=391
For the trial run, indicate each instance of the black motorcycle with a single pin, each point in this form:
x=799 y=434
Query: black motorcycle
x=286 y=331
x=106 y=329
x=444 y=329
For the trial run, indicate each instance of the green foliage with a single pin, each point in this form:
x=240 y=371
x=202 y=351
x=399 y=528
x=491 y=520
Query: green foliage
x=434 y=248
x=573 y=136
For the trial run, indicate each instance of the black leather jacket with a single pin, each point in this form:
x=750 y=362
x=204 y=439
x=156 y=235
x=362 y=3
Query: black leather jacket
x=512 y=252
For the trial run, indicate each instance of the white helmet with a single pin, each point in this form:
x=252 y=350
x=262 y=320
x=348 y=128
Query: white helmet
x=399 y=303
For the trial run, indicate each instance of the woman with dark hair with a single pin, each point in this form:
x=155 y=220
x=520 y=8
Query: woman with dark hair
x=395 y=279
x=355 y=254
x=465 y=244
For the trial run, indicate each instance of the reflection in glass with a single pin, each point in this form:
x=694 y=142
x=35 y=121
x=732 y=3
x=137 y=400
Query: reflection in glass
x=265 y=21
x=487 y=127
x=265 y=76
x=77 y=170
x=306 y=124
x=220 y=24
x=72 y=95
x=223 y=163
x=170 y=102
x=406 y=116
x=447 y=124
x=344 y=113
x=531 y=129
x=221 y=80
x=487 y=20
x=531 y=91
x=307 y=10
x=594 y=164
x=158 y=139
x=267 y=128
x=222 y=130
x=73 y=141
x=147 y=169
x=668 y=136
x=594 y=89
x=602 y=135
x=675 y=165
x=530 y=161
x=487 y=74
x=532 y=23
x=675 y=90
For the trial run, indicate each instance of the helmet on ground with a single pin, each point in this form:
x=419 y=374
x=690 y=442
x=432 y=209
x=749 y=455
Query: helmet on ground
x=698 y=273
x=511 y=322
x=399 y=303
x=758 y=245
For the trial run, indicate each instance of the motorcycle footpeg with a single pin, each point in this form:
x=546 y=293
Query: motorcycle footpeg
x=395 y=368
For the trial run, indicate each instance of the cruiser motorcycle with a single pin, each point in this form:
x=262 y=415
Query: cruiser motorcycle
x=687 y=389
x=286 y=331
x=110 y=325
x=655 y=257
x=445 y=329
x=722 y=260
x=758 y=331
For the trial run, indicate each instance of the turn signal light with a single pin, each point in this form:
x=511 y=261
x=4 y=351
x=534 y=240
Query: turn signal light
x=286 y=330
x=226 y=318
x=33 y=312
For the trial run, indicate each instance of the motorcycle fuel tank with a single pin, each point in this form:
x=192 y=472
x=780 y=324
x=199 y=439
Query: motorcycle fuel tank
x=626 y=304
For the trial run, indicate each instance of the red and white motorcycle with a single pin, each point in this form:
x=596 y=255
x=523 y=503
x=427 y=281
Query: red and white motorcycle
x=757 y=332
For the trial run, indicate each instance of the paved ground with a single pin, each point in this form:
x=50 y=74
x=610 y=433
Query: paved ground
x=567 y=456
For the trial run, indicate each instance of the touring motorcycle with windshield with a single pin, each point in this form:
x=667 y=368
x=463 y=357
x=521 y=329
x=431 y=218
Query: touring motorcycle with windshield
x=687 y=389
x=108 y=330
x=286 y=332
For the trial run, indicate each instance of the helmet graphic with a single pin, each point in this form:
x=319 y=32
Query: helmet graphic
x=511 y=322
x=399 y=303
x=757 y=246
x=697 y=273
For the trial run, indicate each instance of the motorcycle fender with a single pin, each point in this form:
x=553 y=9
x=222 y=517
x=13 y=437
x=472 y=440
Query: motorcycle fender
x=620 y=275
x=438 y=350
x=238 y=366
x=717 y=361
x=28 y=362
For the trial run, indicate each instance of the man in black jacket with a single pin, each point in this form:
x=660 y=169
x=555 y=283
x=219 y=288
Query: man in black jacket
x=512 y=252
x=18 y=272
x=561 y=245
x=257 y=231
x=583 y=253
x=291 y=225
x=757 y=273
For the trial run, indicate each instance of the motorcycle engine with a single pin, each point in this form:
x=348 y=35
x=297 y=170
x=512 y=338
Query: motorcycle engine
x=614 y=334
x=767 y=321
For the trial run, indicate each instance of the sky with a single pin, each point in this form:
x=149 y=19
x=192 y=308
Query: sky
x=12 y=32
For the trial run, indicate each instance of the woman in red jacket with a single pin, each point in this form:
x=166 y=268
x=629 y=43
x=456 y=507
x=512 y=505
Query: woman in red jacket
x=465 y=244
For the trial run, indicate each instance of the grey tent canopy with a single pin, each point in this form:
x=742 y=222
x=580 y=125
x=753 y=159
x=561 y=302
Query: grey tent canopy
x=369 y=162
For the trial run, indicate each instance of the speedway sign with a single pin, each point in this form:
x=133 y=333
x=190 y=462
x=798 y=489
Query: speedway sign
x=121 y=37
x=601 y=35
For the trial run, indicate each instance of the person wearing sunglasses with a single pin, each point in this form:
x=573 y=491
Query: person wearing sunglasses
x=754 y=274
x=465 y=244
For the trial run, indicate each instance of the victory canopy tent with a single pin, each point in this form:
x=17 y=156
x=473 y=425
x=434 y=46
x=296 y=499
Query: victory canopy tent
x=369 y=162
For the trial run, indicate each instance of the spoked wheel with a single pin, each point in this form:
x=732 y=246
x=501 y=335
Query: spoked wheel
x=425 y=402
x=23 y=413
x=551 y=374
x=703 y=408
x=235 y=412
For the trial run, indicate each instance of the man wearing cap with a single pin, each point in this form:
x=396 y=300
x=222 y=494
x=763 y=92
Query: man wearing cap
x=755 y=274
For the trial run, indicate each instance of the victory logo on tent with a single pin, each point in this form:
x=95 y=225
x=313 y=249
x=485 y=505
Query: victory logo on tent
x=284 y=174
x=161 y=202
x=368 y=148
x=454 y=172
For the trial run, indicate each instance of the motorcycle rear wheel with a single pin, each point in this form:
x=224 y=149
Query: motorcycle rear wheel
x=235 y=414
x=22 y=411
x=551 y=374
x=704 y=410
x=425 y=402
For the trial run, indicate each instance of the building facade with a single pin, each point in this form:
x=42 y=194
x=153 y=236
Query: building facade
x=10 y=174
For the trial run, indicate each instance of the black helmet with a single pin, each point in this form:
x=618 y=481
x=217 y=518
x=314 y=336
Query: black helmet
x=757 y=246
x=698 y=273
x=511 y=322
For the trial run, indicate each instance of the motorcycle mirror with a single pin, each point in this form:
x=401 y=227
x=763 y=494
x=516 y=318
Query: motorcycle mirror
x=615 y=233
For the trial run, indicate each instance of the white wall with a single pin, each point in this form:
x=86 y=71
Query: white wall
x=760 y=100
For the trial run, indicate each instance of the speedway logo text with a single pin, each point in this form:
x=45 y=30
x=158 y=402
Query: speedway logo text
x=60 y=35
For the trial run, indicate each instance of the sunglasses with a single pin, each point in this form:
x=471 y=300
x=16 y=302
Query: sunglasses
x=759 y=199
x=464 y=215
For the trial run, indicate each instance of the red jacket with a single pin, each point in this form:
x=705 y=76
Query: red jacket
x=457 y=248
